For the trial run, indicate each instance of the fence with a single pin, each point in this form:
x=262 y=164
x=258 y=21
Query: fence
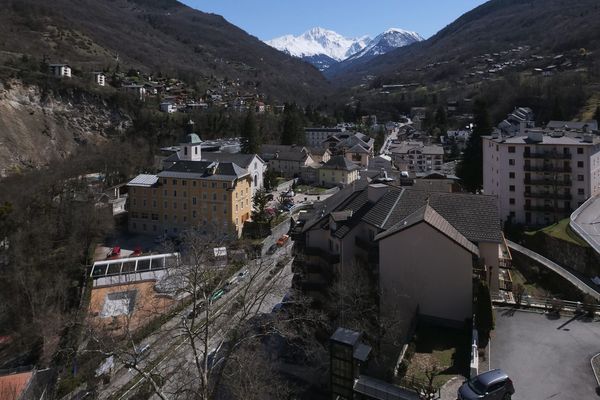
x=553 y=304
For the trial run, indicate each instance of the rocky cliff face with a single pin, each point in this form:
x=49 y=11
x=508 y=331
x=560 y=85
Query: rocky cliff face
x=37 y=127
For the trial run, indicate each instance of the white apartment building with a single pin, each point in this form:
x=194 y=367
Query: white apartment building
x=417 y=157
x=541 y=176
x=316 y=136
x=99 y=78
x=60 y=70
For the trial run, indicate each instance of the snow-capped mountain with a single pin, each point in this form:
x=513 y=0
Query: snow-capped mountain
x=387 y=41
x=324 y=48
x=319 y=46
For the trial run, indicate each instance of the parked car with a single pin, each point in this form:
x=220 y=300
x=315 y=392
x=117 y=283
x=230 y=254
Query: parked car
x=283 y=240
x=217 y=295
x=491 y=385
x=242 y=274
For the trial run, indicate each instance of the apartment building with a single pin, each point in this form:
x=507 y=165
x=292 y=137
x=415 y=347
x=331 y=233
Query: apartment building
x=417 y=156
x=316 y=136
x=541 y=175
x=209 y=196
x=424 y=247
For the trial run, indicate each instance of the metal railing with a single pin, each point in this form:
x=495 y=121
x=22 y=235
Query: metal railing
x=547 y=195
x=547 y=168
x=548 y=155
x=548 y=182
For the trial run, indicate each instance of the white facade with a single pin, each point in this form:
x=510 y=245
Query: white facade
x=168 y=107
x=316 y=136
x=417 y=157
x=540 y=178
x=99 y=79
x=60 y=70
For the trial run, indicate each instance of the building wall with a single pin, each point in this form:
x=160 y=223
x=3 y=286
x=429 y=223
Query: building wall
x=257 y=170
x=333 y=177
x=358 y=158
x=490 y=253
x=207 y=205
x=505 y=174
x=420 y=266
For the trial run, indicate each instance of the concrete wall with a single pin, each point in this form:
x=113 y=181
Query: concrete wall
x=489 y=252
x=420 y=266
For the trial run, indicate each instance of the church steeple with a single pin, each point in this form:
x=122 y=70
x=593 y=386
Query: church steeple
x=190 y=148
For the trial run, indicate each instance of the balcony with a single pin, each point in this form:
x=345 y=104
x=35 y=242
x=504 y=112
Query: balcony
x=547 y=168
x=551 y=196
x=322 y=254
x=548 y=182
x=548 y=155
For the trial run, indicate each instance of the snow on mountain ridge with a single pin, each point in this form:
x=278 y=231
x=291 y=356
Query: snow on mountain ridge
x=318 y=41
x=324 y=48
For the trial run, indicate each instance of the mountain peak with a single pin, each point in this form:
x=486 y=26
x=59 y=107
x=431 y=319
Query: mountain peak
x=323 y=47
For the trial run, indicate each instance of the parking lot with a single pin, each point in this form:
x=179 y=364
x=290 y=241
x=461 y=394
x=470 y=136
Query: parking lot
x=546 y=357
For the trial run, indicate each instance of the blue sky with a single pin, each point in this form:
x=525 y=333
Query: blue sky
x=267 y=19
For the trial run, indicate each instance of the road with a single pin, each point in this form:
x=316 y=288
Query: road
x=576 y=281
x=167 y=345
x=391 y=137
x=586 y=222
x=546 y=357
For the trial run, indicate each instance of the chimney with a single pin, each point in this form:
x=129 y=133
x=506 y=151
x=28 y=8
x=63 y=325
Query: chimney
x=376 y=191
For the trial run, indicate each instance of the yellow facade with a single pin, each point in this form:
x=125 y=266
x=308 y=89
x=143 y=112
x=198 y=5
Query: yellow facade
x=173 y=205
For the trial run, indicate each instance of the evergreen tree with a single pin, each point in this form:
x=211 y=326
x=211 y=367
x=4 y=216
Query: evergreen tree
x=441 y=119
x=557 y=110
x=292 y=131
x=259 y=203
x=379 y=139
x=470 y=169
x=250 y=136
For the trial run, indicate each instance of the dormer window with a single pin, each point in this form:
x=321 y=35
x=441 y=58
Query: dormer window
x=185 y=151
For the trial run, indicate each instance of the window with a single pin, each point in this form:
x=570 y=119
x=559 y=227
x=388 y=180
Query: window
x=193 y=200
x=224 y=210
x=204 y=184
x=174 y=181
x=511 y=201
x=194 y=214
x=225 y=197
x=580 y=178
x=154 y=203
x=224 y=185
x=194 y=183
x=184 y=193
x=579 y=164
x=165 y=181
x=213 y=185
x=185 y=151
x=165 y=205
x=134 y=202
x=580 y=150
x=511 y=188
x=154 y=217
x=511 y=149
x=174 y=205
x=511 y=161
x=214 y=196
x=183 y=183
x=214 y=208
x=512 y=214
x=511 y=175
x=185 y=206
x=165 y=193
x=174 y=193
x=581 y=191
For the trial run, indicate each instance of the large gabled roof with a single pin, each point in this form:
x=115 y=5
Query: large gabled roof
x=243 y=160
x=204 y=170
x=431 y=217
x=340 y=163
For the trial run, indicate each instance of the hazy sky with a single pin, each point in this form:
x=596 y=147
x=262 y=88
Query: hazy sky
x=267 y=19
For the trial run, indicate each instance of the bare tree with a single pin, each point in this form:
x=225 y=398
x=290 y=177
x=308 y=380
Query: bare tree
x=223 y=316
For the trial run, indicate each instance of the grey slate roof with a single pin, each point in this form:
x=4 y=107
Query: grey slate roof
x=346 y=336
x=143 y=180
x=243 y=160
x=200 y=170
x=297 y=156
x=340 y=163
x=428 y=215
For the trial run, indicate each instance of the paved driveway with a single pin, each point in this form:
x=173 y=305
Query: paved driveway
x=546 y=358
